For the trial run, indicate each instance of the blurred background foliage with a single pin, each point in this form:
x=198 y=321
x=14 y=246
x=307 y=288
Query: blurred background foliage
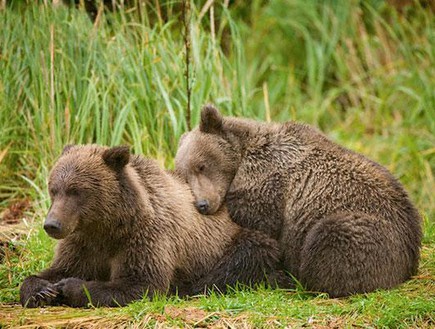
x=361 y=71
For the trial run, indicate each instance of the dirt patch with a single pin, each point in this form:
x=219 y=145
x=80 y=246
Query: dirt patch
x=12 y=226
x=15 y=213
x=193 y=317
x=190 y=315
x=17 y=317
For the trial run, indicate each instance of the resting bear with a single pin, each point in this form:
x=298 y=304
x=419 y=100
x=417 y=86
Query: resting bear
x=344 y=224
x=127 y=229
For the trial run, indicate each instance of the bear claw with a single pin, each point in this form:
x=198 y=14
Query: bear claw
x=47 y=293
x=44 y=297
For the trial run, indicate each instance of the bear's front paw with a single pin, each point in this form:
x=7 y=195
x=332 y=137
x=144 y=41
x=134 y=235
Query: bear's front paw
x=36 y=292
x=72 y=292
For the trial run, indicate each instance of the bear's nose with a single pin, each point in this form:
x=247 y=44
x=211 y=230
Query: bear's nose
x=202 y=206
x=51 y=226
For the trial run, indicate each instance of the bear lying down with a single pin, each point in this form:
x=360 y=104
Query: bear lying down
x=129 y=229
x=344 y=224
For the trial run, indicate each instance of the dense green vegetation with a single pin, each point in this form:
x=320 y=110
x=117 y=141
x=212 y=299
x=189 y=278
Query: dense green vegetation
x=359 y=70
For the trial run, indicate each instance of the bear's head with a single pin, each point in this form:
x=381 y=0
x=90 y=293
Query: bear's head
x=208 y=158
x=84 y=188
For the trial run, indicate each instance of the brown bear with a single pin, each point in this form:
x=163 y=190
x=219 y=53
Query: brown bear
x=127 y=229
x=345 y=225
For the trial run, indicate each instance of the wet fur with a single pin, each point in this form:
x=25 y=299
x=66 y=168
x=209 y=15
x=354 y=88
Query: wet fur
x=129 y=229
x=345 y=225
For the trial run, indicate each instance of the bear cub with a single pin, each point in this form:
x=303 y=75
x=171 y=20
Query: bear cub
x=345 y=225
x=129 y=229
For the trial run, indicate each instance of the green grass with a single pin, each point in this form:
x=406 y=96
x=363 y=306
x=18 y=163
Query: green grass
x=359 y=71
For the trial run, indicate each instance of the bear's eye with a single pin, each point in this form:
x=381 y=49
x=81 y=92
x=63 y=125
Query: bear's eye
x=72 y=191
x=53 y=191
x=201 y=167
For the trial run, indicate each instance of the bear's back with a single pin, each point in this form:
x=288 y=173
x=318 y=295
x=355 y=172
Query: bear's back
x=195 y=238
x=292 y=174
x=334 y=178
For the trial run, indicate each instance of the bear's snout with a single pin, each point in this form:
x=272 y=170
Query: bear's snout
x=203 y=206
x=53 y=227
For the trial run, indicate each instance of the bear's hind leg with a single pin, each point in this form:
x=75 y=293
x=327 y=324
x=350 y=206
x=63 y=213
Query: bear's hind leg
x=350 y=253
x=252 y=258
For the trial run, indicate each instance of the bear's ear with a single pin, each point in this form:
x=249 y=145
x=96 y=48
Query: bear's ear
x=67 y=148
x=211 y=120
x=116 y=157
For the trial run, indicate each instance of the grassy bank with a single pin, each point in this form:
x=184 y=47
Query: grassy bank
x=362 y=73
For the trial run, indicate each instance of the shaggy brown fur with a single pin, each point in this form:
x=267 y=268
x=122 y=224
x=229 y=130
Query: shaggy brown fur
x=128 y=228
x=344 y=224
